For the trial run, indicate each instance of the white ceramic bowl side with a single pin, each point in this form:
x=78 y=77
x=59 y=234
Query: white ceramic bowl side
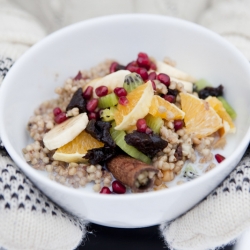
x=59 y=56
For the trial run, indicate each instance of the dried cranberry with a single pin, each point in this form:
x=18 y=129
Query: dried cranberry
x=123 y=100
x=163 y=78
x=143 y=73
x=101 y=91
x=152 y=76
x=119 y=91
x=60 y=118
x=105 y=190
x=170 y=98
x=141 y=125
x=87 y=94
x=118 y=187
x=78 y=76
x=57 y=111
x=92 y=105
x=178 y=124
x=219 y=158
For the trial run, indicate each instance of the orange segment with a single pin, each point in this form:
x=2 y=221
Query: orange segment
x=200 y=118
x=164 y=109
x=228 y=125
x=77 y=148
x=139 y=101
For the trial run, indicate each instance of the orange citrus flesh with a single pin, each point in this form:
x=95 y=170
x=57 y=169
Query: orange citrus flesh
x=139 y=101
x=77 y=148
x=228 y=125
x=164 y=109
x=200 y=118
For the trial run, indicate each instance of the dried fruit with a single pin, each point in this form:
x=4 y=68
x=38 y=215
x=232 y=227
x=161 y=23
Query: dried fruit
x=210 y=91
x=77 y=101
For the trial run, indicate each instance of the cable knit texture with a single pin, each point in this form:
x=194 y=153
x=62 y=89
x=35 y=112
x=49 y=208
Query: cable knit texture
x=217 y=220
x=29 y=219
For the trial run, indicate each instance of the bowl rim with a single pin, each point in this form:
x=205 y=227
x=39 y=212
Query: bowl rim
x=70 y=191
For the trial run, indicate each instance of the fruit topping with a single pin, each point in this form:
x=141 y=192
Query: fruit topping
x=87 y=94
x=219 y=158
x=118 y=187
x=227 y=107
x=101 y=91
x=115 y=67
x=163 y=78
x=178 y=124
x=149 y=144
x=57 y=111
x=123 y=100
x=132 y=81
x=106 y=101
x=141 y=125
x=120 y=91
x=210 y=91
x=105 y=190
x=61 y=117
x=92 y=105
x=155 y=123
x=108 y=114
x=78 y=76
x=77 y=101
x=101 y=131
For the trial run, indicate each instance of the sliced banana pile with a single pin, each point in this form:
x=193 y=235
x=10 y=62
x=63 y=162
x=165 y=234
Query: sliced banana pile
x=65 y=132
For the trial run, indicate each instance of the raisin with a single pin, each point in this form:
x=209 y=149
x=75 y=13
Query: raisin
x=100 y=130
x=178 y=153
x=149 y=144
x=173 y=92
x=77 y=101
x=210 y=91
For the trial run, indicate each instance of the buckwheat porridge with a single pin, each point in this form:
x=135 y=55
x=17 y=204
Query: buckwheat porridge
x=141 y=127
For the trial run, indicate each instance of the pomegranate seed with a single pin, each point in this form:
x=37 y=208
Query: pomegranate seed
x=178 y=124
x=143 y=60
x=133 y=63
x=87 y=94
x=149 y=131
x=153 y=66
x=170 y=98
x=92 y=105
x=153 y=84
x=123 y=100
x=57 y=111
x=101 y=91
x=93 y=115
x=219 y=158
x=132 y=68
x=115 y=67
x=152 y=76
x=105 y=190
x=120 y=91
x=78 y=76
x=163 y=78
x=118 y=187
x=143 y=73
x=141 y=125
x=60 y=118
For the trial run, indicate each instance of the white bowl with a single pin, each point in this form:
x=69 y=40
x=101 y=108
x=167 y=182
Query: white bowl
x=46 y=65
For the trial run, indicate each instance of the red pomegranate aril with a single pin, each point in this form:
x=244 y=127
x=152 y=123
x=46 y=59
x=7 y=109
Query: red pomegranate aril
x=143 y=60
x=78 y=76
x=143 y=73
x=93 y=115
x=219 y=158
x=101 y=91
x=60 y=118
x=141 y=125
x=153 y=84
x=57 y=111
x=118 y=187
x=170 y=98
x=163 y=78
x=105 y=190
x=92 y=105
x=119 y=91
x=133 y=63
x=132 y=68
x=152 y=76
x=153 y=66
x=115 y=67
x=178 y=124
x=87 y=94
x=123 y=100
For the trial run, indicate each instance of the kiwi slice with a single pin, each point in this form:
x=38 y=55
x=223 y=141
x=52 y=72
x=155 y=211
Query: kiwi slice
x=201 y=84
x=228 y=107
x=108 y=114
x=107 y=101
x=118 y=137
x=132 y=81
x=154 y=123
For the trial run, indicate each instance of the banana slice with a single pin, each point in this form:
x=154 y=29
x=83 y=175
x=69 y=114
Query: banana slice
x=188 y=86
x=111 y=81
x=65 y=132
x=173 y=72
